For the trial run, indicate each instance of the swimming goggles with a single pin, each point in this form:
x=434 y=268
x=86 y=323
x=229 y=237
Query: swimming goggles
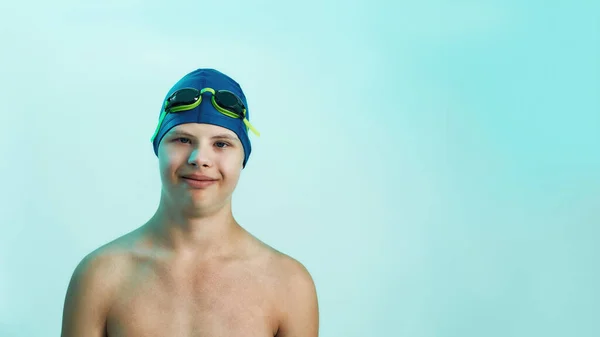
x=226 y=102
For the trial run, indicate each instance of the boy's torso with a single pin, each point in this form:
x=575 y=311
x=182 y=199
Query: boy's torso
x=160 y=296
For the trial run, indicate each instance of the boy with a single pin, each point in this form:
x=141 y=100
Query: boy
x=192 y=270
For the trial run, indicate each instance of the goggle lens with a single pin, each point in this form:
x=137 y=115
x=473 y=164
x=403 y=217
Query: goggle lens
x=183 y=97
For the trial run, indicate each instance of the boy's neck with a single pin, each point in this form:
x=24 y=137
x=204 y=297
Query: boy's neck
x=210 y=234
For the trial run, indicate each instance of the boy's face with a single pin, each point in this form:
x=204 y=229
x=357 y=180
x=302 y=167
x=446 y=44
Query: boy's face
x=217 y=154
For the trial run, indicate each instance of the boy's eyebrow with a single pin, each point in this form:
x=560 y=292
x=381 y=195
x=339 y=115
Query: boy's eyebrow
x=181 y=133
x=224 y=135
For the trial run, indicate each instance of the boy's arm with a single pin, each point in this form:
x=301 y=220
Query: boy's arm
x=88 y=297
x=300 y=309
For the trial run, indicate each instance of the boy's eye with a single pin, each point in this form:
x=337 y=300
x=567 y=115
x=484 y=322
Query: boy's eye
x=182 y=140
x=221 y=144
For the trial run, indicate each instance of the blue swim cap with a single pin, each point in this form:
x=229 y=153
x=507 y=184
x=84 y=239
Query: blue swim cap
x=205 y=112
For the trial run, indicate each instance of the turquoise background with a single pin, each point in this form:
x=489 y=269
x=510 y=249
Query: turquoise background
x=434 y=164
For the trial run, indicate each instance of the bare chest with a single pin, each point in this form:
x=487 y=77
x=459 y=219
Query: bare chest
x=215 y=301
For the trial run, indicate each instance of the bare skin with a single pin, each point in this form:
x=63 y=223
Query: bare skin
x=191 y=270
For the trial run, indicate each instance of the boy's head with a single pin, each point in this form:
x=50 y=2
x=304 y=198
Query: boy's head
x=201 y=140
x=216 y=88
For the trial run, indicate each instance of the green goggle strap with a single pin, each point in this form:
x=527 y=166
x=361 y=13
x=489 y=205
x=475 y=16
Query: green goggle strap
x=160 y=120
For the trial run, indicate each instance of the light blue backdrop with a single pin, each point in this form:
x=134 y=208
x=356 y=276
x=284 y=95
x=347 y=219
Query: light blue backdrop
x=434 y=165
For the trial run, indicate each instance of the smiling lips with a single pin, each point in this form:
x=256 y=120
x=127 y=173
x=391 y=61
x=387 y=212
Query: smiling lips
x=198 y=181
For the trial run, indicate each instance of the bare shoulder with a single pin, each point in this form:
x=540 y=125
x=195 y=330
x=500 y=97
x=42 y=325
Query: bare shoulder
x=287 y=270
x=297 y=304
x=283 y=264
x=92 y=287
x=106 y=264
x=293 y=271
